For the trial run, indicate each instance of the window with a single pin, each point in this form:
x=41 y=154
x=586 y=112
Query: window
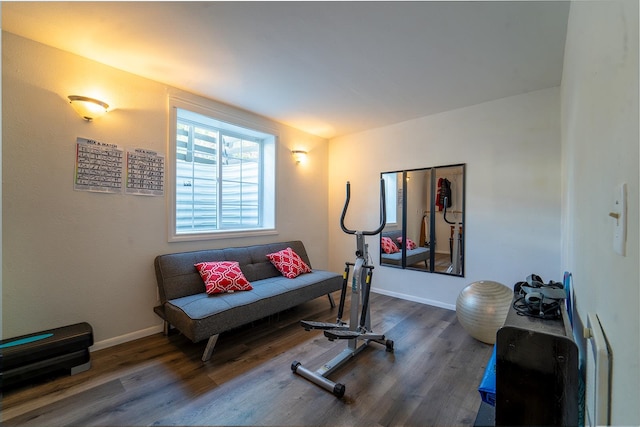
x=391 y=196
x=224 y=176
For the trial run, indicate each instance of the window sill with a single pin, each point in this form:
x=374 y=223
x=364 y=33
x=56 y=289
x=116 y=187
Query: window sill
x=223 y=234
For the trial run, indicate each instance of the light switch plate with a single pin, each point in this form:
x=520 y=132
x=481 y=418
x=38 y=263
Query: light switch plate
x=620 y=223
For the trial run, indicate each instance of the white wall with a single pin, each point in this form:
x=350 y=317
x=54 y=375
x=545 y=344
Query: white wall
x=71 y=256
x=512 y=150
x=1 y=329
x=600 y=151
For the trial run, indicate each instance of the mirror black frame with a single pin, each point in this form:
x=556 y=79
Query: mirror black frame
x=400 y=261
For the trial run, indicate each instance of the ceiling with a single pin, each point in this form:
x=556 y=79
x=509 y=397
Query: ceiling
x=328 y=68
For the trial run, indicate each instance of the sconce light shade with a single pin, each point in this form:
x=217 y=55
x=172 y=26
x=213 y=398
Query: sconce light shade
x=299 y=155
x=88 y=108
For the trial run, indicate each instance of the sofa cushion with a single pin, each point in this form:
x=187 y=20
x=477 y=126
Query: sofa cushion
x=222 y=276
x=414 y=256
x=199 y=316
x=410 y=243
x=289 y=263
x=177 y=276
x=388 y=247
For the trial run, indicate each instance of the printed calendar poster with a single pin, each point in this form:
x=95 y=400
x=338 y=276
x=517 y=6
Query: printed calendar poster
x=98 y=166
x=144 y=172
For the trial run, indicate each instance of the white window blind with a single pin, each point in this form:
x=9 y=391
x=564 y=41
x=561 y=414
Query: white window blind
x=224 y=176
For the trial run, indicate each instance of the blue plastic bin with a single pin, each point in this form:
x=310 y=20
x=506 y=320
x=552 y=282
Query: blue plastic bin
x=487 y=387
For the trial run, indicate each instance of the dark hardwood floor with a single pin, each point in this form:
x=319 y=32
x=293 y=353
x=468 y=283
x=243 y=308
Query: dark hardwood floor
x=431 y=378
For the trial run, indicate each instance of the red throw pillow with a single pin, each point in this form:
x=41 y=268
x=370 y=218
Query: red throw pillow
x=222 y=276
x=289 y=263
x=388 y=246
x=410 y=243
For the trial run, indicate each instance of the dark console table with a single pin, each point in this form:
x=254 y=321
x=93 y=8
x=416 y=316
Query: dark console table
x=536 y=372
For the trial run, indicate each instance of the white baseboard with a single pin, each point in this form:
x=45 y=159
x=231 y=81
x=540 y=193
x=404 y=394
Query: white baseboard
x=126 y=338
x=426 y=301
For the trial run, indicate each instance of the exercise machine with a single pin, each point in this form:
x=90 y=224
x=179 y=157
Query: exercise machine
x=357 y=332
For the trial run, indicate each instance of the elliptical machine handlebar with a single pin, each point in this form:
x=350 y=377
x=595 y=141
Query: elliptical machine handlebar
x=444 y=216
x=383 y=212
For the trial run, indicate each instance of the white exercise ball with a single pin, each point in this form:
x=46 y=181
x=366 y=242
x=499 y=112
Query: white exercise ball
x=482 y=308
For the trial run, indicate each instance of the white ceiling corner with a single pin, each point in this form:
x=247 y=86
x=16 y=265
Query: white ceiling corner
x=328 y=68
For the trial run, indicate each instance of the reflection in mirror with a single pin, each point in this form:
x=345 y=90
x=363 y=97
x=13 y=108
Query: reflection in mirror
x=390 y=252
x=426 y=232
x=418 y=246
x=448 y=231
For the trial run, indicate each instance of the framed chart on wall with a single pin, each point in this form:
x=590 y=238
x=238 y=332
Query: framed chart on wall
x=108 y=168
x=98 y=166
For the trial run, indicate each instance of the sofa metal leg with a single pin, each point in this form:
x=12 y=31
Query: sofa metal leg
x=331 y=301
x=208 y=350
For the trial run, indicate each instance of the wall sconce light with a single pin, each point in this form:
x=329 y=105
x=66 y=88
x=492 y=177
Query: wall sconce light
x=88 y=108
x=299 y=155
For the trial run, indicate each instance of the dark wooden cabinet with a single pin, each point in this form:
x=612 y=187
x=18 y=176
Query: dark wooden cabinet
x=536 y=372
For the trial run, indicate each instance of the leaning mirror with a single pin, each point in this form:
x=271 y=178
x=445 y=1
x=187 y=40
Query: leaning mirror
x=426 y=232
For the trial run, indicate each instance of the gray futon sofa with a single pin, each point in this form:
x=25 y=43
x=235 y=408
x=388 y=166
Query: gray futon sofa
x=199 y=316
x=414 y=256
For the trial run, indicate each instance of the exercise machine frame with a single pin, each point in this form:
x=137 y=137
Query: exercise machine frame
x=358 y=331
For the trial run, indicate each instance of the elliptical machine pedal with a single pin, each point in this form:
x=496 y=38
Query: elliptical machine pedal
x=337 y=334
x=310 y=324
